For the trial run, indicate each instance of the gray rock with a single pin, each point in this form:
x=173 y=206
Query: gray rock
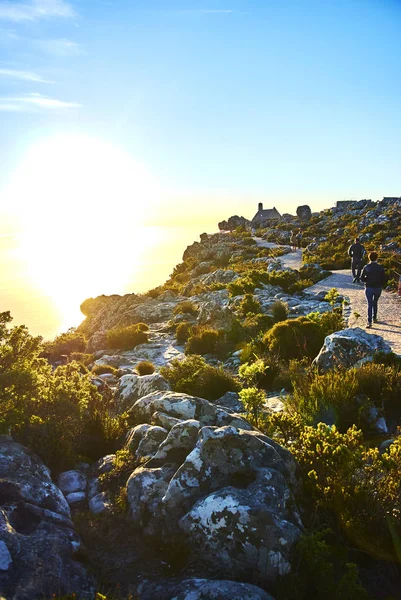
x=230 y=495
x=5 y=557
x=150 y=442
x=37 y=538
x=231 y=401
x=100 y=503
x=184 y=407
x=201 y=589
x=75 y=498
x=105 y=464
x=219 y=276
x=304 y=212
x=345 y=348
x=71 y=481
x=132 y=387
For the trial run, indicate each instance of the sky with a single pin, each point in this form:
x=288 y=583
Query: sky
x=169 y=110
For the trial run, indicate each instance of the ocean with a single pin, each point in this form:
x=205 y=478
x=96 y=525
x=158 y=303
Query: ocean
x=43 y=283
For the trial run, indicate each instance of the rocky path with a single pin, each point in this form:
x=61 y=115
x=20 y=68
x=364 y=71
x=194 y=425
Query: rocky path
x=292 y=259
x=389 y=312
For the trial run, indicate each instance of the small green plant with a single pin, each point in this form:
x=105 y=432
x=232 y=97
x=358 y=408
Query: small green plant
x=253 y=400
x=145 y=367
x=279 y=311
x=332 y=297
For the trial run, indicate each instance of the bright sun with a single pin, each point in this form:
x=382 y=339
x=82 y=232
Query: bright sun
x=82 y=203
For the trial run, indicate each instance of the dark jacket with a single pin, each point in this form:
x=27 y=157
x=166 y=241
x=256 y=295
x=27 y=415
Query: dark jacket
x=374 y=275
x=357 y=251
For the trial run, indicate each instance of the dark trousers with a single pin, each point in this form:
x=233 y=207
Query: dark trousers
x=356 y=267
x=372 y=296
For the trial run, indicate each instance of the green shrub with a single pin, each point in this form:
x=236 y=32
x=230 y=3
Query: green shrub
x=279 y=311
x=186 y=308
x=126 y=338
x=382 y=385
x=299 y=285
x=64 y=344
x=195 y=377
x=331 y=396
x=294 y=339
x=249 y=304
x=85 y=359
x=101 y=369
x=253 y=400
x=202 y=341
x=183 y=332
x=243 y=285
x=145 y=367
x=284 y=279
x=323 y=571
x=328 y=322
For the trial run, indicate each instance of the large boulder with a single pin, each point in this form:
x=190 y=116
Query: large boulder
x=183 y=407
x=347 y=347
x=228 y=490
x=38 y=541
x=132 y=387
x=233 y=222
x=304 y=212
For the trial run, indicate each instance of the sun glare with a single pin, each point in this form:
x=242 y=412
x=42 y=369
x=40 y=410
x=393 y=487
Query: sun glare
x=81 y=204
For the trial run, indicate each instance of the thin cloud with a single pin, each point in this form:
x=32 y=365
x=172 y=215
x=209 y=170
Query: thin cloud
x=35 y=101
x=35 y=10
x=60 y=47
x=23 y=75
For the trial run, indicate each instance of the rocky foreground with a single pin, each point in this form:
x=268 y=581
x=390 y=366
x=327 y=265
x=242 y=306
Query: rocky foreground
x=220 y=503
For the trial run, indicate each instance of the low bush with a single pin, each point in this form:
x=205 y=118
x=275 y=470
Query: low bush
x=279 y=311
x=126 y=338
x=182 y=332
x=322 y=571
x=243 y=285
x=64 y=345
x=203 y=340
x=81 y=357
x=295 y=338
x=145 y=367
x=330 y=397
x=101 y=369
x=381 y=384
x=195 y=377
x=249 y=304
x=284 y=279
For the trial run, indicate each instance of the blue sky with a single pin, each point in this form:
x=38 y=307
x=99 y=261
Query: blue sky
x=224 y=102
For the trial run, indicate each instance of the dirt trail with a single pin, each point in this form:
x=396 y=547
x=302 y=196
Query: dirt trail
x=389 y=308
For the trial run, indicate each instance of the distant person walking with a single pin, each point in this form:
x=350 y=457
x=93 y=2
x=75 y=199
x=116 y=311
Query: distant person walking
x=299 y=239
x=374 y=277
x=293 y=241
x=356 y=251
